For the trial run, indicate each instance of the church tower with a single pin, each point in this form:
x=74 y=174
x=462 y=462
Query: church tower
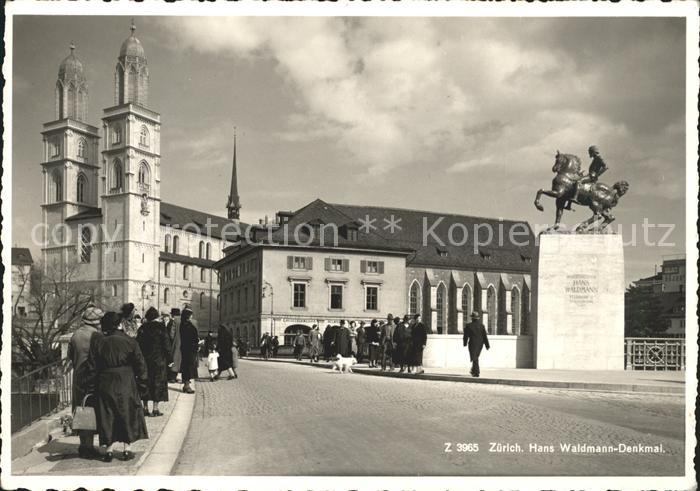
x=234 y=202
x=131 y=182
x=70 y=168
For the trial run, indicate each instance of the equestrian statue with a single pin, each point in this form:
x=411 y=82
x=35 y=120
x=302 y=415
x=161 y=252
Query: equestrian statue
x=570 y=185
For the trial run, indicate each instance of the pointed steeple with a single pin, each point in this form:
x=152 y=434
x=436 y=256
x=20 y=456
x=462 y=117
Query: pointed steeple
x=234 y=201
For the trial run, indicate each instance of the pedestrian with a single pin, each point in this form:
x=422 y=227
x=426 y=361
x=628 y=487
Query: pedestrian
x=226 y=351
x=213 y=362
x=476 y=338
x=265 y=347
x=397 y=357
x=361 y=338
x=314 y=343
x=128 y=324
x=353 y=338
x=328 y=341
x=173 y=328
x=274 y=346
x=342 y=340
x=208 y=343
x=118 y=378
x=386 y=342
x=420 y=339
x=402 y=338
x=299 y=342
x=189 y=345
x=152 y=338
x=78 y=352
x=372 y=338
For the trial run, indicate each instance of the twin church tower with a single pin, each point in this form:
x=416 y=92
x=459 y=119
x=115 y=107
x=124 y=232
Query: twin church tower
x=102 y=210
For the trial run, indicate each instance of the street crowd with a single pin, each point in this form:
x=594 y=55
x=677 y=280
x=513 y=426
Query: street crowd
x=121 y=362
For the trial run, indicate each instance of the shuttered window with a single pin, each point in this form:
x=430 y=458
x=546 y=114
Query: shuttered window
x=299 y=262
x=376 y=267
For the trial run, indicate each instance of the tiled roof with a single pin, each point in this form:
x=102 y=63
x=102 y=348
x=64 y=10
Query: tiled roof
x=85 y=214
x=441 y=252
x=179 y=258
x=21 y=256
x=179 y=217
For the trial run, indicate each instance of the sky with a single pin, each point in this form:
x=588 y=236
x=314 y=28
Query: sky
x=455 y=115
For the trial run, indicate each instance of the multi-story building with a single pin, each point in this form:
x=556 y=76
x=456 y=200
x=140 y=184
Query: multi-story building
x=22 y=264
x=102 y=208
x=327 y=262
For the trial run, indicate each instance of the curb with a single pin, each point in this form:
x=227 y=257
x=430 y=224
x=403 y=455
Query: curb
x=164 y=453
x=35 y=434
x=595 y=386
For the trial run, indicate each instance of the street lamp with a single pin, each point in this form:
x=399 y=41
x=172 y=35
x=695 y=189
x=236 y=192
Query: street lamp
x=272 y=306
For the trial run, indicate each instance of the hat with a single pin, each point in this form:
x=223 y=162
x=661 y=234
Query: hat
x=475 y=315
x=174 y=311
x=390 y=317
x=92 y=315
x=406 y=317
x=110 y=321
x=416 y=316
x=151 y=313
x=127 y=308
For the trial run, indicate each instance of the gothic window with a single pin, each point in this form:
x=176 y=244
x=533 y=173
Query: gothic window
x=203 y=275
x=491 y=309
x=85 y=245
x=176 y=245
x=186 y=272
x=116 y=134
x=414 y=299
x=466 y=305
x=166 y=295
x=81 y=185
x=201 y=300
x=440 y=305
x=117 y=176
x=143 y=136
x=201 y=249
x=114 y=290
x=167 y=242
x=55 y=147
x=208 y=250
x=525 y=322
x=515 y=309
x=82 y=144
x=166 y=269
x=57 y=185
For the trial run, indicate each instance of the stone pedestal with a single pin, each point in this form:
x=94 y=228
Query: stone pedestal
x=579 y=302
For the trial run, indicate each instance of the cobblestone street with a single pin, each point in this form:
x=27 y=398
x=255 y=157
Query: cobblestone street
x=284 y=419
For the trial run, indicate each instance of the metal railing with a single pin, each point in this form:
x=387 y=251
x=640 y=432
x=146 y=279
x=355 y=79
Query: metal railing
x=654 y=354
x=43 y=391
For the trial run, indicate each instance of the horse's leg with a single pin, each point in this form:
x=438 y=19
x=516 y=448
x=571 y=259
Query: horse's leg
x=608 y=219
x=552 y=194
x=560 y=211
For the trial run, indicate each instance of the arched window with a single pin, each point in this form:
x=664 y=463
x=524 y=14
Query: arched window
x=117 y=176
x=81 y=185
x=414 y=299
x=525 y=323
x=82 y=151
x=116 y=133
x=176 y=245
x=166 y=295
x=440 y=305
x=515 y=309
x=167 y=242
x=185 y=272
x=55 y=147
x=491 y=309
x=203 y=275
x=114 y=290
x=85 y=244
x=143 y=136
x=201 y=249
x=144 y=174
x=166 y=269
x=466 y=305
x=201 y=300
x=57 y=185
x=208 y=250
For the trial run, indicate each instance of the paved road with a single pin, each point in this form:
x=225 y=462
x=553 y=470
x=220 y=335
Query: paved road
x=284 y=419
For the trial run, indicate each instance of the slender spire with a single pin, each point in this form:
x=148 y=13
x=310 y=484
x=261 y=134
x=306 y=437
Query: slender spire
x=133 y=26
x=72 y=47
x=234 y=201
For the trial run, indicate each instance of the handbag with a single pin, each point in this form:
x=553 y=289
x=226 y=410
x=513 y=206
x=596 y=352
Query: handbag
x=84 y=417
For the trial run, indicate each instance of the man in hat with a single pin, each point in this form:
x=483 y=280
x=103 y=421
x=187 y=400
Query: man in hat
x=476 y=338
x=595 y=170
x=173 y=328
x=78 y=351
x=386 y=335
x=189 y=345
x=314 y=343
x=420 y=339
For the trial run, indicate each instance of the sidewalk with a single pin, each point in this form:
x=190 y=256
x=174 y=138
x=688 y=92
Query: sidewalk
x=668 y=382
x=156 y=455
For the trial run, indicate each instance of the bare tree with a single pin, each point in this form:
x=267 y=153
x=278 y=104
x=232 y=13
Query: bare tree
x=56 y=300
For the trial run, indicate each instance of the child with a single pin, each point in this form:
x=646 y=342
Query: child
x=213 y=363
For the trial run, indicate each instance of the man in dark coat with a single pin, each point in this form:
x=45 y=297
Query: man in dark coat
x=173 y=328
x=224 y=347
x=420 y=339
x=342 y=339
x=328 y=341
x=153 y=341
x=372 y=339
x=361 y=339
x=189 y=345
x=476 y=338
x=402 y=337
x=118 y=378
x=386 y=342
x=265 y=345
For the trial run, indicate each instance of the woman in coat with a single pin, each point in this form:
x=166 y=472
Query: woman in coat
x=420 y=339
x=225 y=348
x=328 y=340
x=117 y=378
x=189 y=346
x=153 y=341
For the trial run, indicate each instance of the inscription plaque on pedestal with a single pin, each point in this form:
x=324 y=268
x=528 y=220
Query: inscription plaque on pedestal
x=578 y=302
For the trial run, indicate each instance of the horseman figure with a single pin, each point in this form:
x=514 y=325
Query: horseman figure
x=571 y=185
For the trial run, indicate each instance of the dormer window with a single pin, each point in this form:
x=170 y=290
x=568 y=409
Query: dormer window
x=485 y=253
x=526 y=258
x=441 y=251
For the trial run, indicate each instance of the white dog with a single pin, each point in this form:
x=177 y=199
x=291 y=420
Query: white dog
x=344 y=364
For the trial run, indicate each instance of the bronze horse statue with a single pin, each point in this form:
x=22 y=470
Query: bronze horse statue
x=599 y=197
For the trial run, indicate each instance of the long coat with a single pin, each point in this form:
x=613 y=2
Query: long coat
x=118 y=378
x=342 y=341
x=386 y=337
x=225 y=344
x=174 y=334
x=189 y=344
x=78 y=352
x=328 y=340
x=420 y=339
x=153 y=341
x=476 y=338
x=402 y=338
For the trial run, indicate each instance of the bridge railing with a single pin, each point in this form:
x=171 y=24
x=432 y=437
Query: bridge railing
x=654 y=354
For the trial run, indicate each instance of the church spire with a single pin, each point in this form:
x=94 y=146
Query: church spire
x=234 y=202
